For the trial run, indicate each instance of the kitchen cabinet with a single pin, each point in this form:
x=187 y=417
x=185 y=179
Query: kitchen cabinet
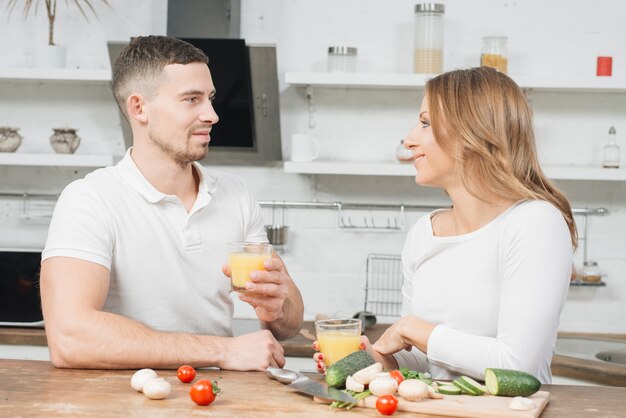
x=316 y=81
x=40 y=96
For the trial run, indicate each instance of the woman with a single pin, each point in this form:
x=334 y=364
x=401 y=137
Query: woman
x=486 y=279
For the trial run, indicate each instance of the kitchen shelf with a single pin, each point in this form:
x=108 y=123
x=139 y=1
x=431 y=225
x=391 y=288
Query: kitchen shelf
x=359 y=168
x=62 y=75
x=587 y=284
x=391 y=168
x=404 y=80
x=57 y=160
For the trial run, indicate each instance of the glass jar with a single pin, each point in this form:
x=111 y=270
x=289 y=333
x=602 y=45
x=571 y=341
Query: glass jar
x=403 y=154
x=590 y=272
x=428 y=38
x=611 y=151
x=342 y=59
x=495 y=53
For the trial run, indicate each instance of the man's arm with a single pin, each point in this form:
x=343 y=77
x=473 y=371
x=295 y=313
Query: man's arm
x=290 y=323
x=80 y=335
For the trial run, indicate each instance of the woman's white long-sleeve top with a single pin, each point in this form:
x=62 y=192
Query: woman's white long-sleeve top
x=495 y=294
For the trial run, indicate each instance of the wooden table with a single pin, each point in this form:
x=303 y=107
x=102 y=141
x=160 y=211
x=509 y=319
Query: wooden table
x=37 y=389
x=301 y=346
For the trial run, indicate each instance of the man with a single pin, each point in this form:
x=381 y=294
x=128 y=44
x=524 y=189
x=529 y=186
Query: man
x=131 y=271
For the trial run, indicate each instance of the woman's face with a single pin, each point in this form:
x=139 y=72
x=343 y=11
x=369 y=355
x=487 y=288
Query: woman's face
x=435 y=167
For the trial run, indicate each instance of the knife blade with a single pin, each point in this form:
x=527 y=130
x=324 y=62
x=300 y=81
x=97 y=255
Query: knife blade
x=303 y=384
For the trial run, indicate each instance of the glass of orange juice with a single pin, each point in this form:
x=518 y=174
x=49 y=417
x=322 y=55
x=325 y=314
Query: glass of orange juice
x=337 y=338
x=243 y=259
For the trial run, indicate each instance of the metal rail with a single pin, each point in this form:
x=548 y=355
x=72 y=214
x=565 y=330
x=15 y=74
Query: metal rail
x=326 y=205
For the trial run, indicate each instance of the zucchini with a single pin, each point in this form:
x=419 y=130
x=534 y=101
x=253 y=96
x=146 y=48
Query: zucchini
x=338 y=372
x=504 y=382
x=449 y=390
x=477 y=387
x=465 y=388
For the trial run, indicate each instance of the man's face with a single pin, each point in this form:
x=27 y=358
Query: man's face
x=180 y=113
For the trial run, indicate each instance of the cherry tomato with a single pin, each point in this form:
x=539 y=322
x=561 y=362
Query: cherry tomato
x=397 y=375
x=186 y=374
x=203 y=392
x=387 y=404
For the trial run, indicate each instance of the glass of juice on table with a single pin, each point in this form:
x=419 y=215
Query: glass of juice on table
x=243 y=259
x=337 y=338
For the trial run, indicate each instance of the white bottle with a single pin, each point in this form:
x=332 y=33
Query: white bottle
x=611 y=151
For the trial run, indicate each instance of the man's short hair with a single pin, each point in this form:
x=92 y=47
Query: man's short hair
x=139 y=67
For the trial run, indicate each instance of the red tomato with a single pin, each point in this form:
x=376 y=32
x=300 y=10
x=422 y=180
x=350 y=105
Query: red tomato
x=387 y=404
x=186 y=374
x=397 y=375
x=203 y=392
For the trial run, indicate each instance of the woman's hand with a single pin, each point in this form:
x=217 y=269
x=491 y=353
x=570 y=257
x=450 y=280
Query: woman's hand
x=407 y=332
x=318 y=357
x=388 y=362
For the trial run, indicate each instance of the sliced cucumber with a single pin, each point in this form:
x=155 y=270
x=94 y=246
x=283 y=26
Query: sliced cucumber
x=449 y=390
x=477 y=387
x=465 y=388
x=504 y=382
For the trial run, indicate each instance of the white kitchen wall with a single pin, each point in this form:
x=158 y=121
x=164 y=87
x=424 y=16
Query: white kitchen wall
x=559 y=37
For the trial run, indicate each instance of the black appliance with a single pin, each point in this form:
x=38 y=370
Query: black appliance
x=20 y=303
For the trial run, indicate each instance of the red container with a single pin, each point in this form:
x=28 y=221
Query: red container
x=604 y=66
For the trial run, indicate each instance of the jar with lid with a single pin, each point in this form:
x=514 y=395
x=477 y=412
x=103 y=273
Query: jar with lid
x=403 y=154
x=428 y=38
x=342 y=59
x=495 y=53
x=590 y=272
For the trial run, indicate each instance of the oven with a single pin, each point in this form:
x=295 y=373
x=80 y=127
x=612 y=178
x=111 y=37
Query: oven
x=20 y=302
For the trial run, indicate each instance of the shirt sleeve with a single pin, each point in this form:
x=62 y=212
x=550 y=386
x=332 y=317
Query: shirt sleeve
x=537 y=259
x=254 y=226
x=79 y=227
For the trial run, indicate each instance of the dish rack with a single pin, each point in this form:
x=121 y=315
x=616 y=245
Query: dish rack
x=383 y=285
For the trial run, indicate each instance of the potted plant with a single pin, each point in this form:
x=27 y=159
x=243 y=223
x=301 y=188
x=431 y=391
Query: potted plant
x=54 y=55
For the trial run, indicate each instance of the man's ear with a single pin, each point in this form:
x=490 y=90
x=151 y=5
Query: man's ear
x=135 y=108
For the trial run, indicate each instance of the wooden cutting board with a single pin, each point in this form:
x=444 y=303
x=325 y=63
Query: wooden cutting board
x=468 y=406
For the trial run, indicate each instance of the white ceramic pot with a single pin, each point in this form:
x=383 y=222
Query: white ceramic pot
x=64 y=141
x=10 y=140
x=50 y=56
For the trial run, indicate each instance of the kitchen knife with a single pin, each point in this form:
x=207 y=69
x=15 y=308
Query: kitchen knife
x=303 y=384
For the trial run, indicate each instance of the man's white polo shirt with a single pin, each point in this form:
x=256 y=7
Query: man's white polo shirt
x=165 y=263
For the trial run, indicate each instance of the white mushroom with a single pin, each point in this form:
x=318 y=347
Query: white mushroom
x=352 y=384
x=383 y=384
x=366 y=375
x=140 y=377
x=413 y=390
x=520 y=403
x=157 y=388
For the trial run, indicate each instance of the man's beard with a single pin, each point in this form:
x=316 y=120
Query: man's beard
x=181 y=157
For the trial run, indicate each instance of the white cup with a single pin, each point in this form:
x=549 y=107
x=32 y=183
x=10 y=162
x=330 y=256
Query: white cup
x=304 y=148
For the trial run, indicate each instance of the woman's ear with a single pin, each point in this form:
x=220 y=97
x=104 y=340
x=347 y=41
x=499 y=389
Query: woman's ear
x=135 y=108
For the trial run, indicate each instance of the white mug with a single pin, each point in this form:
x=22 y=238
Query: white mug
x=304 y=148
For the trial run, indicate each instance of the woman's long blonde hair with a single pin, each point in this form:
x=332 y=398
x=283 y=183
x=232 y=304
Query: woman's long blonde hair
x=482 y=117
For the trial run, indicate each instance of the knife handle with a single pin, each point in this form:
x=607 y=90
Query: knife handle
x=282 y=375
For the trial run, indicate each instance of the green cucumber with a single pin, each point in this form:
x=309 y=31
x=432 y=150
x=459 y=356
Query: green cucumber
x=504 y=382
x=338 y=372
x=477 y=387
x=449 y=390
x=465 y=388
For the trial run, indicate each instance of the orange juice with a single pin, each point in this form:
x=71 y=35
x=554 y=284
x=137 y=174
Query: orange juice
x=335 y=345
x=242 y=264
